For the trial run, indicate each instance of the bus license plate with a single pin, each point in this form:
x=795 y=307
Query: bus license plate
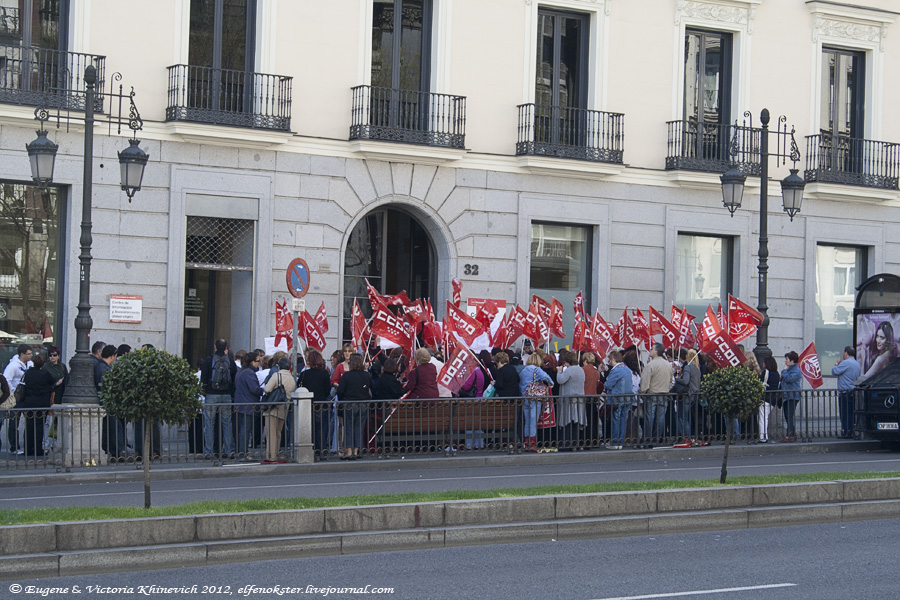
x=891 y=426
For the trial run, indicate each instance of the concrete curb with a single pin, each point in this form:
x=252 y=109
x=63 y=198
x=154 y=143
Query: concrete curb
x=130 y=473
x=56 y=549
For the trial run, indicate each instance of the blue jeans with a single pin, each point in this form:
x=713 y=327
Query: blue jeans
x=217 y=404
x=654 y=419
x=685 y=415
x=530 y=410
x=619 y=423
x=845 y=405
x=789 y=407
x=245 y=431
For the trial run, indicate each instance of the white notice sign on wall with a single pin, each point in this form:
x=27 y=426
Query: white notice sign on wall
x=125 y=309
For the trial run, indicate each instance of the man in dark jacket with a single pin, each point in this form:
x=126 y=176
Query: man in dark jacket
x=217 y=377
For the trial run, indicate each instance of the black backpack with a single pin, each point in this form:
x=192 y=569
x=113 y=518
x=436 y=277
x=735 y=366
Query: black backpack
x=220 y=380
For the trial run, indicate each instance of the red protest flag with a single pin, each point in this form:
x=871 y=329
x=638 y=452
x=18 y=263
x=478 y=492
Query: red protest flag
x=602 y=335
x=448 y=337
x=312 y=335
x=535 y=327
x=720 y=316
x=391 y=327
x=431 y=334
x=515 y=326
x=429 y=311
x=555 y=322
x=461 y=364
x=682 y=320
x=579 y=304
x=486 y=312
x=284 y=324
x=625 y=329
x=659 y=325
x=359 y=329
x=457 y=291
x=374 y=296
x=641 y=327
x=810 y=367
x=719 y=345
x=543 y=307
x=580 y=334
x=743 y=319
x=322 y=318
x=498 y=340
x=467 y=327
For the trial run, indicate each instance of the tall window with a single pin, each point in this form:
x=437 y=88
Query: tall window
x=839 y=270
x=222 y=34
x=401 y=44
x=704 y=272
x=30 y=266
x=561 y=265
x=842 y=110
x=34 y=23
x=707 y=93
x=562 y=56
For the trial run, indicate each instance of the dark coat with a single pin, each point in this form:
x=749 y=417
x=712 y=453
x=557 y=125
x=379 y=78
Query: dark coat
x=38 y=386
x=422 y=382
x=506 y=383
x=318 y=382
x=355 y=385
x=206 y=375
x=388 y=388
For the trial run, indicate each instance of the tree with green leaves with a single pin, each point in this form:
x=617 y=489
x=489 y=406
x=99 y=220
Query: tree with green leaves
x=151 y=386
x=737 y=393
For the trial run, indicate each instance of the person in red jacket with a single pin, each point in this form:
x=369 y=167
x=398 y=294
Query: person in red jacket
x=422 y=381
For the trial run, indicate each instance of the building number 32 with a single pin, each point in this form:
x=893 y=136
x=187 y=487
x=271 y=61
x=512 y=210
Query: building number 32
x=470 y=269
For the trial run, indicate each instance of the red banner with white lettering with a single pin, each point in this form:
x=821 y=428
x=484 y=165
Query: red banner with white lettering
x=625 y=329
x=579 y=304
x=485 y=310
x=284 y=324
x=461 y=364
x=810 y=367
x=719 y=345
x=391 y=327
x=312 y=335
x=659 y=325
x=457 y=291
x=535 y=326
x=359 y=329
x=641 y=328
x=743 y=319
x=581 y=337
x=515 y=327
x=682 y=320
x=448 y=338
x=376 y=298
x=464 y=325
x=543 y=307
x=556 y=319
x=602 y=335
x=322 y=318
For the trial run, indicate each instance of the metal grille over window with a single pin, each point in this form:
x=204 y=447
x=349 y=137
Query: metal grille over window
x=219 y=244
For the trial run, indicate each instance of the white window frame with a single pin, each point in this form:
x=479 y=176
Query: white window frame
x=728 y=16
x=598 y=46
x=851 y=28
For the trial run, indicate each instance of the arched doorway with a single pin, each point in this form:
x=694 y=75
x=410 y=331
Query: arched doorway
x=391 y=249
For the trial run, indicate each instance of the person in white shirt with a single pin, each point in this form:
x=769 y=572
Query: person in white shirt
x=13 y=373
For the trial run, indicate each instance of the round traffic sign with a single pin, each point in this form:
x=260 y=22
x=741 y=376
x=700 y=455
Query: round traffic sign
x=298 y=278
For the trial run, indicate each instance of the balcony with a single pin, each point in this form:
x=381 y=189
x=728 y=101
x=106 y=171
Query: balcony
x=36 y=76
x=407 y=116
x=849 y=161
x=712 y=147
x=576 y=133
x=228 y=97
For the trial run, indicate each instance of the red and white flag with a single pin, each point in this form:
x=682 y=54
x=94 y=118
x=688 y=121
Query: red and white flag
x=581 y=337
x=543 y=308
x=359 y=329
x=284 y=324
x=394 y=329
x=660 y=325
x=375 y=297
x=486 y=311
x=719 y=344
x=464 y=325
x=461 y=364
x=448 y=337
x=810 y=367
x=515 y=326
x=682 y=320
x=743 y=319
x=625 y=329
x=498 y=339
x=312 y=335
x=721 y=316
x=322 y=318
x=579 y=305
x=556 y=319
x=602 y=335
x=457 y=291
x=641 y=328
x=535 y=326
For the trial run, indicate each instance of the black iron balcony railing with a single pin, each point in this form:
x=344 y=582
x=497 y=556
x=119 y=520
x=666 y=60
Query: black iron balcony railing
x=411 y=117
x=35 y=76
x=228 y=97
x=564 y=132
x=851 y=161
x=712 y=147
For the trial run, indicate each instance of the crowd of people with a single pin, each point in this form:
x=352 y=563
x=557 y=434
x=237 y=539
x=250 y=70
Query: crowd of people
x=566 y=401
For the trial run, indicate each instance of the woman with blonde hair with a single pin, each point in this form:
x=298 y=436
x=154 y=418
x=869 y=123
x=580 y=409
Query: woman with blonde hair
x=534 y=386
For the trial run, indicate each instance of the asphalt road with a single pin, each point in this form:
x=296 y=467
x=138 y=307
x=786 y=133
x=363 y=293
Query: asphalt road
x=688 y=466
x=832 y=561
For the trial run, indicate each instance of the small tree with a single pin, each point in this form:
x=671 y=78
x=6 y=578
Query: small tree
x=735 y=392
x=153 y=386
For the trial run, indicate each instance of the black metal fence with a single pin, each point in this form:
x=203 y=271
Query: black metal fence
x=564 y=132
x=63 y=437
x=842 y=159
x=229 y=97
x=451 y=425
x=712 y=147
x=34 y=76
x=408 y=116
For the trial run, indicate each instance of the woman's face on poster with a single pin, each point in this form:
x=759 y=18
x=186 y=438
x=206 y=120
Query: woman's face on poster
x=879 y=340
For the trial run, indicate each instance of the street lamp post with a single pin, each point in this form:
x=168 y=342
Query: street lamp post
x=792 y=196
x=42 y=154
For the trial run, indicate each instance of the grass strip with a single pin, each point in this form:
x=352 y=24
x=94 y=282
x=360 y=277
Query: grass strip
x=28 y=516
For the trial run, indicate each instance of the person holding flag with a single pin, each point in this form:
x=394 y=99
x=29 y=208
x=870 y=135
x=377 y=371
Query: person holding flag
x=791 y=383
x=422 y=380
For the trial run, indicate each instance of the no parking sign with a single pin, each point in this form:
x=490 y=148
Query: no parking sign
x=298 y=278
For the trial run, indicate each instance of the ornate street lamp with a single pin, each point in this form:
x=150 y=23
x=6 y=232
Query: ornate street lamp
x=42 y=155
x=132 y=161
x=792 y=197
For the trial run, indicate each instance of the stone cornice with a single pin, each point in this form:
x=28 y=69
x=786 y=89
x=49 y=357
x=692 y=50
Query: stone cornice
x=736 y=12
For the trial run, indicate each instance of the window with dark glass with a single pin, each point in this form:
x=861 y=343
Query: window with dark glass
x=401 y=44
x=31 y=225
x=561 y=265
x=839 y=271
x=707 y=93
x=842 y=109
x=34 y=23
x=704 y=272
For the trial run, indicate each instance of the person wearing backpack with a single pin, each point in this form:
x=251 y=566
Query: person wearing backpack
x=217 y=377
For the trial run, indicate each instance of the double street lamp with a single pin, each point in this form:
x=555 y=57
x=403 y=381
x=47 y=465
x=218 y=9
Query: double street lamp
x=792 y=196
x=132 y=160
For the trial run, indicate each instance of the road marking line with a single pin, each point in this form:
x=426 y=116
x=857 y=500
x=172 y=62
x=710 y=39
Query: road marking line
x=748 y=588
x=434 y=479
